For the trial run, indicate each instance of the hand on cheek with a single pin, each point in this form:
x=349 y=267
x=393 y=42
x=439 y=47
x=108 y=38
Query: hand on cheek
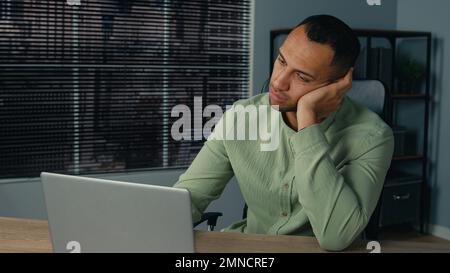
x=318 y=104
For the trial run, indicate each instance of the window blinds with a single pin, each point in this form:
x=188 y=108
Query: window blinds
x=89 y=88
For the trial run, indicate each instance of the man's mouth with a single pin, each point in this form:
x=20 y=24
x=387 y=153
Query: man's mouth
x=275 y=98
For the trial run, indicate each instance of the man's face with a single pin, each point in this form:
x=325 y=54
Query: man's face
x=301 y=67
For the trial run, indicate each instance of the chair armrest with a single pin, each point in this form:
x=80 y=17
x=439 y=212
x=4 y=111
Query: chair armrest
x=211 y=218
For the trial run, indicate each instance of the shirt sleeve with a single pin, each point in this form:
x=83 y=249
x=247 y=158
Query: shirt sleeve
x=207 y=176
x=339 y=200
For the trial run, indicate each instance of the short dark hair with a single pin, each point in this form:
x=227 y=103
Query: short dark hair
x=329 y=30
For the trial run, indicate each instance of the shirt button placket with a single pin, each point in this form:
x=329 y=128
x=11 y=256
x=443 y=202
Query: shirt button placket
x=286 y=197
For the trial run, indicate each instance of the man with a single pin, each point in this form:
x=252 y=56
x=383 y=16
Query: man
x=326 y=176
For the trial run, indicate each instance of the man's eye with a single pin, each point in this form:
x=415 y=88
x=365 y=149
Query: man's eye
x=281 y=61
x=302 y=78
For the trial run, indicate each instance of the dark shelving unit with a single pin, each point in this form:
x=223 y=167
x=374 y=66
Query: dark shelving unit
x=403 y=192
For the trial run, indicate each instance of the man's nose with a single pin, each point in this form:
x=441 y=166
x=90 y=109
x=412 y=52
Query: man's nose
x=281 y=81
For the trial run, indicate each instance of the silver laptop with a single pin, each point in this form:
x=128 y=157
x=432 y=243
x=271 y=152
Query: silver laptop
x=97 y=215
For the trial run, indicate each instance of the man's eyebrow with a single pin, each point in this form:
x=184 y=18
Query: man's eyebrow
x=297 y=70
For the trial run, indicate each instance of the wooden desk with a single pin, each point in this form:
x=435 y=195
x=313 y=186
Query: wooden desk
x=22 y=235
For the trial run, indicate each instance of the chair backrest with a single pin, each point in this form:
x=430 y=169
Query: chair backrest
x=369 y=93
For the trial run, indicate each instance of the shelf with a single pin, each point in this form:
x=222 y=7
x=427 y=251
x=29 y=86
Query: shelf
x=396 y=177
x=406 y=181
x=409 y=96
x=407 y=157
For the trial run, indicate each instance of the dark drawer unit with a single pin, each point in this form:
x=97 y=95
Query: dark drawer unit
x=400 y=203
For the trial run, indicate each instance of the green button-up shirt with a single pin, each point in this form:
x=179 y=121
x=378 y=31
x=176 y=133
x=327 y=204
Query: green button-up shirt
x=324 y=180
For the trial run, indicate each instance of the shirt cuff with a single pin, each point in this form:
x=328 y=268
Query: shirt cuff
x=306 y=139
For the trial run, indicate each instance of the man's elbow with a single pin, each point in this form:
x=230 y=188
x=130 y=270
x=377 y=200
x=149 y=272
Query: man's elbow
x=334 y=243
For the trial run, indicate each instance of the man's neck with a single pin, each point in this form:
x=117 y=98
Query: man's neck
x=290 y=118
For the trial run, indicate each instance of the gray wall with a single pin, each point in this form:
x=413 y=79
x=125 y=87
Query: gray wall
x=434 y=17
x=25 y=198
x=275 y=14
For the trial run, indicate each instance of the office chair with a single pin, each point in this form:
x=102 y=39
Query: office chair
x=369 y=93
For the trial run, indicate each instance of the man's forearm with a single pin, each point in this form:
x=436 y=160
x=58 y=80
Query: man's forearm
x=206 y=177
x=337 y=212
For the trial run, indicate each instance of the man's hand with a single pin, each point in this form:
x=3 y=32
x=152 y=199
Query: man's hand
x=315 y=106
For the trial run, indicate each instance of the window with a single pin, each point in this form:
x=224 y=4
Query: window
x=5 y=10
x=90 y=88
